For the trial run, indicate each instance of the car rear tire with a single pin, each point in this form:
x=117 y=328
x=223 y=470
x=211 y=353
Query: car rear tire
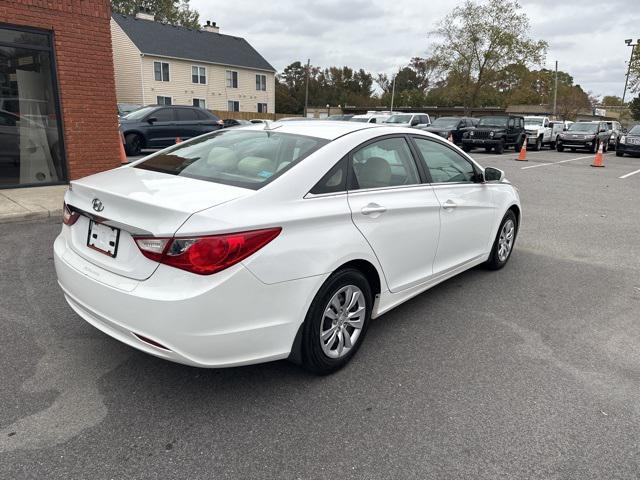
x=133 y=144
x=337 y=321
x=500 y=147
x=619 y=153
x=504 y=242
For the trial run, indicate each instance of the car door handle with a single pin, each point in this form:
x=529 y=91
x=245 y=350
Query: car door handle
x=373 y=208
x=449 y=204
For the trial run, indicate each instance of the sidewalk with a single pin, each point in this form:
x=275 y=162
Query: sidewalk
x=19 y=204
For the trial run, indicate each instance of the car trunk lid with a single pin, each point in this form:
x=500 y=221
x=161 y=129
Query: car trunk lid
x=138 y=203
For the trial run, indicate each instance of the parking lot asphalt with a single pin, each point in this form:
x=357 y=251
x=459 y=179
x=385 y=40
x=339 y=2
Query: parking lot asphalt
x=529 y=372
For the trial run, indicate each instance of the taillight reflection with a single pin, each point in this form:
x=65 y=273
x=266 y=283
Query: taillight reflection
x=69 y=217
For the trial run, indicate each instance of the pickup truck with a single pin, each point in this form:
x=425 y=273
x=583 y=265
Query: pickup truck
x=539 y=132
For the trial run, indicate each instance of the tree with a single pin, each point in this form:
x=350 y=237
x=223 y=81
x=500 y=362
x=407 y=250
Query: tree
x=634 y=108
x=478 y=40
x=634 y=71
x=572 y=99
x=611 y=101
x=175 y=12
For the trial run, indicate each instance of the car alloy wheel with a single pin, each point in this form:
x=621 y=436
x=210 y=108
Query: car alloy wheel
x=342 y=321
x=505 y=241
x=337 y=321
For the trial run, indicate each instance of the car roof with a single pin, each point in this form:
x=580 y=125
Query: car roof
x=326 y=130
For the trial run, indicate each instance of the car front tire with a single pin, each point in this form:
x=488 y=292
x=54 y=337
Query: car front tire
x=337 y=321
x=504 y=242
x=619 y=153
x=500 y=147
x=133 y=144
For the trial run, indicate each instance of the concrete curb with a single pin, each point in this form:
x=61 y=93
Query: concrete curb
x=34 y=203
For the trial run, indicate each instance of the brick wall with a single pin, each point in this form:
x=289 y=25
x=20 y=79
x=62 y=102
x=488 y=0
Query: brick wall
x=86 y=86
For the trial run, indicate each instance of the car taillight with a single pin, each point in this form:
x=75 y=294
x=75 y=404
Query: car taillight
x=69 y=217
x=208 y=254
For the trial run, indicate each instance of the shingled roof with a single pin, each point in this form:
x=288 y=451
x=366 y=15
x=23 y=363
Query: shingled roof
x=155 y=38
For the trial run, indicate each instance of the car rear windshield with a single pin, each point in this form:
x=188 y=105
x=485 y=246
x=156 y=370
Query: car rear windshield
x=138 y=114
x=493 y=122
x=243 y=158
x=583 y=127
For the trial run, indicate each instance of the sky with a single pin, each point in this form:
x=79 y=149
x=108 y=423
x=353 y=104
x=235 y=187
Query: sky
x=586 y=37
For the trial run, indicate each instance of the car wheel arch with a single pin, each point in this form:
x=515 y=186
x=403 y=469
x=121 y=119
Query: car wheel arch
x=143 y=138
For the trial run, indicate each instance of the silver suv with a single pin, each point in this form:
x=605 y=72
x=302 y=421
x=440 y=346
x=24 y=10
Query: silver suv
x=616 y=133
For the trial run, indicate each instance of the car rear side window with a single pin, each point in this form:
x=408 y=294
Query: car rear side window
x=444 y=164
x=334 y=181
x=385 y=163
x=186 y=115
x=243 y=158
x=163 y=115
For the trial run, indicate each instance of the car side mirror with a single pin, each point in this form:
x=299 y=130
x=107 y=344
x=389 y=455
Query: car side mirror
x=414 y=122
x=493 y=174
x=152 y=119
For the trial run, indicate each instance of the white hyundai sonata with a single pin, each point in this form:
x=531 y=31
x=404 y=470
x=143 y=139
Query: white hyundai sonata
x=277 y=241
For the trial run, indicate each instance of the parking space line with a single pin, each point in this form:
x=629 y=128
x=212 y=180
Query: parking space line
x=555 y=163
x=629 y=174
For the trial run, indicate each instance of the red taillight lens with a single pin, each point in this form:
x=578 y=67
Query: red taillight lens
x=206 y=255
x=69 y=217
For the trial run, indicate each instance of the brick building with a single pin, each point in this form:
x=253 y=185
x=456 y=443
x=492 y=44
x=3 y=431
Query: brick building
x=58 y=117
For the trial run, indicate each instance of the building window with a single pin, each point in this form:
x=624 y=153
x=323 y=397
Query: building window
x=161 y=71
x=161 y=100
x=198 y=75
x=232 y=79
x=261 y=82
x=262 y=108
x=233 y=106
x=200 y=102
x=31 y=141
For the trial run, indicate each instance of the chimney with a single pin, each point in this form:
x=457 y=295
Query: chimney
x=211 y=27
x=145 y=14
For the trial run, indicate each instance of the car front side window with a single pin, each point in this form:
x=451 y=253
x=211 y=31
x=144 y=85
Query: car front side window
x=444 y=164
x=385 y=163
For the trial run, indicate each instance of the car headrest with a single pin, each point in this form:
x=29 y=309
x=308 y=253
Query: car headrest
x=222 y=159
x=374 y=173
x=256 y=167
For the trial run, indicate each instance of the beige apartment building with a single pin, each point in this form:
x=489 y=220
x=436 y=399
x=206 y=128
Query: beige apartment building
x=157 y=63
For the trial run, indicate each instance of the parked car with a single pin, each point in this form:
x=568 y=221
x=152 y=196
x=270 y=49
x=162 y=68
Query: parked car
x=371 y=117
x=233 y=122
x=495 y=132
x=584 y=135
x=454 y=126
x=158 y=126
x=418 y=120
x=629 y=143
x=557 y=127
x=344 y=118
x=539 y=132
x=242 y=246
x=125 y=108
x=616 y=132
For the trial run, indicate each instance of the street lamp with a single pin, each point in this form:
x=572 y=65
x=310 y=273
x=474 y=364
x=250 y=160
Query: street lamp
x=629 y=43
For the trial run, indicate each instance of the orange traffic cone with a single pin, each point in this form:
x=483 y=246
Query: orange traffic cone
x=123 y=154
x=450 y=138
x=178 y=140
x=523 y=151
x=597 y=161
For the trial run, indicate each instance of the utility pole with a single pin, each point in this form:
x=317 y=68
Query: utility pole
x=629 y=43
x=555 y=92
x=393 y=92
x=306 y=88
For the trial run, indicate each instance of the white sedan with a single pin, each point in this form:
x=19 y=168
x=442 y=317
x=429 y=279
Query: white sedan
x=277 y=241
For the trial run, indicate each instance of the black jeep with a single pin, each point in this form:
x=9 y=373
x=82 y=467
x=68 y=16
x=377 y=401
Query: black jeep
x=497 y=132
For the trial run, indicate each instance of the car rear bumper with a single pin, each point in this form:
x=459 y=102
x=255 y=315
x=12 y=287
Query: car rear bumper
x=227 y=319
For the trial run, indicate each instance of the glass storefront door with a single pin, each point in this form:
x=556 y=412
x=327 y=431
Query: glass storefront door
x=31 y=147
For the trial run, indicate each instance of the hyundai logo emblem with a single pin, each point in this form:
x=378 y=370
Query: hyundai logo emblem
x=97 y=205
